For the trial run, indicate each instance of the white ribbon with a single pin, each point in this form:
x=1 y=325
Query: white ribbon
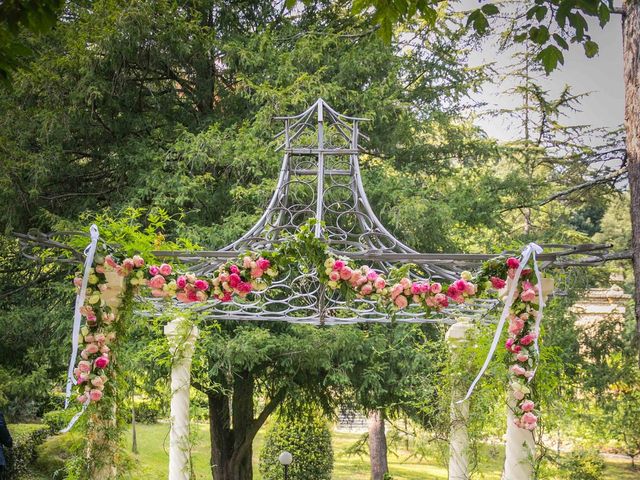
x=89 y=253
x=76 y=417
x=530 y=250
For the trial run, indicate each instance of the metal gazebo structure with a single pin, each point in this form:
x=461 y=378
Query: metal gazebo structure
x=320 y=179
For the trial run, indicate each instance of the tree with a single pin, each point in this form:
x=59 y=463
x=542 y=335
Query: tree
x=552 y=24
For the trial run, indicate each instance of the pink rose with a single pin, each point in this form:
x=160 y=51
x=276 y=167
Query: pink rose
x=516 y=325
x=334 y=276
x=345 y=273
x=157 y=282
x=379 y=283
x=372 y=275
x=100 y=338
x=517 y=370
x=257 y=273
x=82 y=398
x=436 y=288
x=497 y=283
x=128 y=264
x=518 y=395
x=77 y=282
x=529 y=417
x=528 y=339
x=452 y=291
x=442 y=299
x=401 y=301
x=226 y=297
x=182 y=297
x=102 y=362
x=201 y=285
x=338 y=265
x=246 y=262
x=470 y=289
x=181 y=281
x=95 y=395
x=528 y=295
x=513 y=263
x=165 y=269
x=415 y=289
x=263 y=263
x=234 y=280
x=396 y=290
x=97 y=382
x=234 y=269
x=460 y=285
x=92 y=348
x=158 y=293
x=366 y=289
x=138 y=261
x=84 y=366
x=522 y=357
x=154 y=270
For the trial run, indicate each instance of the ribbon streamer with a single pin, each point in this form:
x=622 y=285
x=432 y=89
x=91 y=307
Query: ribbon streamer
x=532 y=249
x=76 y=417
x=89 y=253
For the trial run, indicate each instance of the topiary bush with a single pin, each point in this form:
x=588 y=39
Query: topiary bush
x=308 y=439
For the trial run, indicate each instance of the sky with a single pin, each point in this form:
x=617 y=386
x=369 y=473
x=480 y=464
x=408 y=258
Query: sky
x=601 y=76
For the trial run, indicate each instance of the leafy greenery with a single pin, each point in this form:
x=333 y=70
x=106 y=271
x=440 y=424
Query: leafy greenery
x=308 y=438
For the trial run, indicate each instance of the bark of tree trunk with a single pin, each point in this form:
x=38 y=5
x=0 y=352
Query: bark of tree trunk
x=631 y=59
x=231 y=431
x=377 y=445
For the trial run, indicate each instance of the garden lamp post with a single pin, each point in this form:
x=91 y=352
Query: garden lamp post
x=285 y=459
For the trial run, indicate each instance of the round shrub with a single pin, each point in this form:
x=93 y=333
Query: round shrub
x=308 y=439
x=584 y=465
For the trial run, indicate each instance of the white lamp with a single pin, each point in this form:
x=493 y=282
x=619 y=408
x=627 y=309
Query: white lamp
x=285 y=458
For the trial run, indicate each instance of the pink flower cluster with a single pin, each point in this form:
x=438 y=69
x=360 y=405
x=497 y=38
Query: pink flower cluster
x=365 y=281
x=90 y=373
x=252 y=275
x=520 y=343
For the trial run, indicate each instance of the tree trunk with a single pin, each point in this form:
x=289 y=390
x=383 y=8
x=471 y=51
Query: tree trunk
x=631 y=59
x=232 y=431
x=377 y=445
x=134 y=436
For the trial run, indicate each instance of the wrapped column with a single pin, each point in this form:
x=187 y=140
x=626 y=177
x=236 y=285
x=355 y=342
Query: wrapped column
x=519 y=448
x=458 y=436
x=181 y=336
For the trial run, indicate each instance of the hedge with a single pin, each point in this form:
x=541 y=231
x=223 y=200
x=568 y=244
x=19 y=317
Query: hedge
x=26 y=438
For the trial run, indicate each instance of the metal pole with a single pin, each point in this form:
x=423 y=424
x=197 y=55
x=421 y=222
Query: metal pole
x=286 y=472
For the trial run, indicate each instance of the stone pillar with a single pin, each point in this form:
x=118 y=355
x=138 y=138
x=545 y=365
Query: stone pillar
x=181 y=336
x=519 y=448
x=458 y=436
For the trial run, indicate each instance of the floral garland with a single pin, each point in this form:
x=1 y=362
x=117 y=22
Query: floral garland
x=254 y=273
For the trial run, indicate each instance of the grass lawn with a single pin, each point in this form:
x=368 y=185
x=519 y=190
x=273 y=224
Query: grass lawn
x=152 y=460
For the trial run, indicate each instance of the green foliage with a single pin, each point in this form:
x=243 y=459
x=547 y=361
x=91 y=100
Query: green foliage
x=16 y=17
x=57 y=453
x=584 y=465
x=568 y=18
x=26 y=438
x=308 y=438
